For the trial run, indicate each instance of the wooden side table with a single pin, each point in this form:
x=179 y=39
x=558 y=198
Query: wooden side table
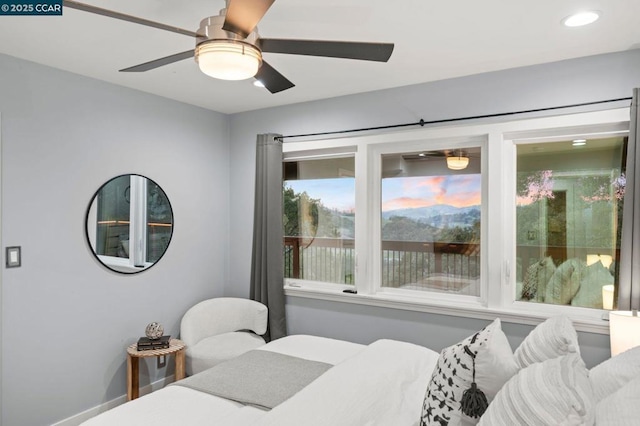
x=176 y=347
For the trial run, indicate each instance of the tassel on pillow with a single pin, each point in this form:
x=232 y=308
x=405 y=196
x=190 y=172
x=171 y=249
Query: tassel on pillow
x=474 y=402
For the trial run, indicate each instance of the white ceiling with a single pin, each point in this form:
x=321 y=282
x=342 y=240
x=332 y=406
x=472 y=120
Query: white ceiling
x=434 y=40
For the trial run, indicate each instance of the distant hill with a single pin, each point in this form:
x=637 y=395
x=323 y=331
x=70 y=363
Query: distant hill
x=438 y=215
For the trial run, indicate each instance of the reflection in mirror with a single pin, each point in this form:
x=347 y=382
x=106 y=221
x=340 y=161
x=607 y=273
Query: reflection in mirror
x=129 y=223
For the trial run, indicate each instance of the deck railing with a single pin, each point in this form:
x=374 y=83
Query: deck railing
x=320 y=259
x=403 y=262
x=436 y=265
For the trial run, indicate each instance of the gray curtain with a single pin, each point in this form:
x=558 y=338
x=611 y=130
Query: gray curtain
x=267 y=269
x=629 y=277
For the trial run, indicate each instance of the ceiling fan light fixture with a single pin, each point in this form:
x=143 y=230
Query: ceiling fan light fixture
x=228 y=59
x=459 y=162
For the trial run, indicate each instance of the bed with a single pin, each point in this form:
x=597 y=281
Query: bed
x=347 y=392
x=315 y=381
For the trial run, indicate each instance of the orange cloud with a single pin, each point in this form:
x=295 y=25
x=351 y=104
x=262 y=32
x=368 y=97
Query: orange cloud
x=434 y=182
x=464 y=199
x=405 y=203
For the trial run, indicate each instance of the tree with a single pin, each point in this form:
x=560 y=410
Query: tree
x=536 y=185
x=308 y=217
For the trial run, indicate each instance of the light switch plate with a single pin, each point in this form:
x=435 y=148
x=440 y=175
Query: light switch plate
x=13 y=257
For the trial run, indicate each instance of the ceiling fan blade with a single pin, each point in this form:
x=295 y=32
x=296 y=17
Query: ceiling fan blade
x=380 y=52
x=243 y=15
x=117 y=15
x=272 y=79
x=160 y=62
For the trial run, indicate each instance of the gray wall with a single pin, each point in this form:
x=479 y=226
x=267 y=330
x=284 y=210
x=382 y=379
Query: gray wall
x=568 y=82
x=66 y=319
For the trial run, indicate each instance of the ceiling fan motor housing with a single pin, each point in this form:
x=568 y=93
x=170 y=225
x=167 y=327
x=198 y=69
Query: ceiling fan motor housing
x=211 y=29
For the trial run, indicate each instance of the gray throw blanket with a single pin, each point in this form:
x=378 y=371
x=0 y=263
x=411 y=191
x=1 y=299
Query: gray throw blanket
x=260 y=378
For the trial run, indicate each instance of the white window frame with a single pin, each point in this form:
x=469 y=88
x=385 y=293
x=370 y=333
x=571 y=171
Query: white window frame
x=373 y=285
x=498 y=154
x=347 y=151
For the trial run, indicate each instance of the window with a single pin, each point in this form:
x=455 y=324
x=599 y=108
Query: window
x=133 y=223
x=430 y=221
x=488 y=236
x=112 y=230
x=568 y=211
x=319 y=219
x=159 y=222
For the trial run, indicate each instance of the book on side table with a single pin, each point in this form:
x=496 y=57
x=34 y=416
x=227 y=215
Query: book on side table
x=146 y=344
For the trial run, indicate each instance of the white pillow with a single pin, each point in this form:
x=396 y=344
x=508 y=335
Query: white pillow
x=590 y=293
x=612 y=374
x=553 y=392
x=494 y=365
x=620 y=408
x=564 y=282
x=555 y=337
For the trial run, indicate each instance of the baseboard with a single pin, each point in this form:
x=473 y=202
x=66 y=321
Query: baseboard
x=77 y=419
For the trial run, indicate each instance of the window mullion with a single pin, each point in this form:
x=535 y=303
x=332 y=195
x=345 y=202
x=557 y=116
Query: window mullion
x=365 y=281
x=138 y=229
x=500 y=266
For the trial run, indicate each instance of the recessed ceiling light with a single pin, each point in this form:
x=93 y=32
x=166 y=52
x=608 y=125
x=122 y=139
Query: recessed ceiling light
x=258 y=83
x=579 y=142
x=422 y=154
x=581 y=18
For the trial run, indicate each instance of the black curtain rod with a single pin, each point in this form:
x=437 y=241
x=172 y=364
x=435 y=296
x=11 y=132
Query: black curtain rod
x=450 y=120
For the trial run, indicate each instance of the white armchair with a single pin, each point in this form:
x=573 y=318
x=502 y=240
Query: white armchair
x=211 y=331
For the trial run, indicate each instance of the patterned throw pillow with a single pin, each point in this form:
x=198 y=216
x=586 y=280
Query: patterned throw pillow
x=454 y=373
x=554 y=392
x=554 y=337
x=536 y=278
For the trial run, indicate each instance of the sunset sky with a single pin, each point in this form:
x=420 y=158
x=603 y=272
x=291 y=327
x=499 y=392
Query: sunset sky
x=398 y=192
x=419 y=191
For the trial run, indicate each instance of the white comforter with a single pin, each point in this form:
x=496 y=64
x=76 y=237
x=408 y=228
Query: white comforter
x=380 y=384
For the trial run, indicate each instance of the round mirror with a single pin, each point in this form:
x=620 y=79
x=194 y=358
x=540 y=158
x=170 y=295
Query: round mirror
x=129 y=223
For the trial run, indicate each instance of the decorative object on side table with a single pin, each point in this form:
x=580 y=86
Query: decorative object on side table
x=145 y=344
x=154 y=330
x=155 y=339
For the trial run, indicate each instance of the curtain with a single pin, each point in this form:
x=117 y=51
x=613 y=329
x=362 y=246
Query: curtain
x=629 y=277
x=267 y=269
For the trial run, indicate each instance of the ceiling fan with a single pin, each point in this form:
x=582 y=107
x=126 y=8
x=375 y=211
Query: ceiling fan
x=229 y=47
